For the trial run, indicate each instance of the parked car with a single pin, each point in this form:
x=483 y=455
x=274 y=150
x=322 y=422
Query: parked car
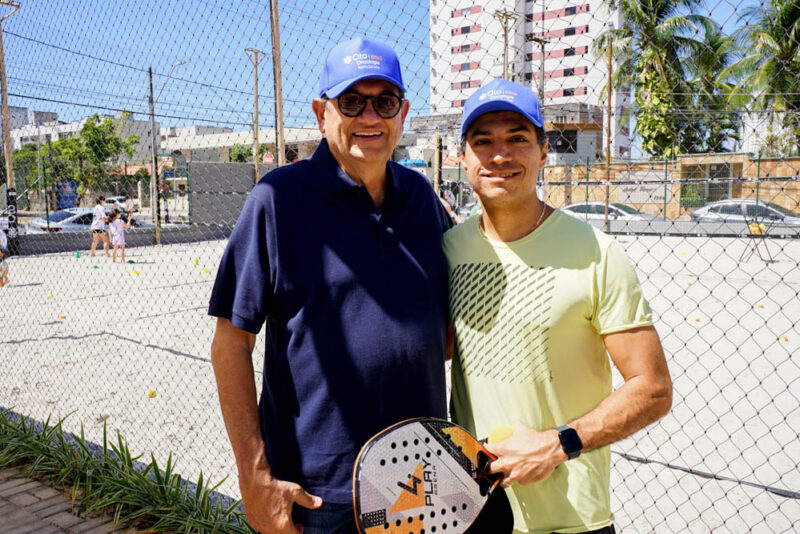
x=72 y=220
x=595 y=211
x=744 y=210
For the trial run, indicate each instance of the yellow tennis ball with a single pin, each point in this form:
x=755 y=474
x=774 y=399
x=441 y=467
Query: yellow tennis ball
x=499 y=433
x=151 y=393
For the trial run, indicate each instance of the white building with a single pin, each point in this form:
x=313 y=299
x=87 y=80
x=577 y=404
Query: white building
x=466 y=50
x=764 y=133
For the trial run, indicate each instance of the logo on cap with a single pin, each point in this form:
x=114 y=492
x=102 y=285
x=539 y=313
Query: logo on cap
x=348 y=60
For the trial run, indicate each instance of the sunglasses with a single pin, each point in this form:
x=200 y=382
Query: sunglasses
x=386 y=105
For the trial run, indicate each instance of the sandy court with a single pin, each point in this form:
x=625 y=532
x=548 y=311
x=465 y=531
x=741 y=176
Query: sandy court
x=86 y=337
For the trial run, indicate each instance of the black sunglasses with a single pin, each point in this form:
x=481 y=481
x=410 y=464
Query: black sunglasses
x=386 y=105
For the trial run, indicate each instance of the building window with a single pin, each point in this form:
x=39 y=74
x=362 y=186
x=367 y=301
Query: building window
x=569 y=92
x=465 y=48
x=466 y=29
x=466 y=66
x=466 y=11
x=563 y=141
x=458 y=103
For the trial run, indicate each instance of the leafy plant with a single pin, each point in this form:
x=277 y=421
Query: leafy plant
x=112 y=479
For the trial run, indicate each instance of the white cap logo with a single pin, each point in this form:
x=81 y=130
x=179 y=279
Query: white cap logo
x=348 y=60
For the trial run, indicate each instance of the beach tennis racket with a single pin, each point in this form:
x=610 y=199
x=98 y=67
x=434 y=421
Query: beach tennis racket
x=427 y=476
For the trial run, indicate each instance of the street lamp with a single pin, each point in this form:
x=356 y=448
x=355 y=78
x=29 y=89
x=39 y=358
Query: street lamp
x=155 y=194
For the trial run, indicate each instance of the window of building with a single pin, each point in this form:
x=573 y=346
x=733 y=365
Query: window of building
x=465 y=29
x=569 y=92
x=563 y=141
x=570 y=10
x=569 y=72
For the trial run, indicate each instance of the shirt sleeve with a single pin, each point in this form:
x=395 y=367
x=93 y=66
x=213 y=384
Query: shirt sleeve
x=620 y=303
x=242 y=290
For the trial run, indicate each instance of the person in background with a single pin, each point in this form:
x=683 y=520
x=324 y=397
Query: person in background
x=99 y=220
x=117 y=227
x=3 y=261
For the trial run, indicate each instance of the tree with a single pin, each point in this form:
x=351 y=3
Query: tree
x=651 y=42
x=714 y=124
x=102 y=145
x=88 y=158
x=241 y=153
x=769 y=70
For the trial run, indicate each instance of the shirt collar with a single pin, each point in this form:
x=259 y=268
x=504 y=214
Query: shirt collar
x=335 y=179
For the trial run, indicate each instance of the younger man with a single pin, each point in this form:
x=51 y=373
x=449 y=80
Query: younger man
x=539 y=302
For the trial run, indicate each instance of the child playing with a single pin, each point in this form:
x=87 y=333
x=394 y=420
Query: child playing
x=117 y=228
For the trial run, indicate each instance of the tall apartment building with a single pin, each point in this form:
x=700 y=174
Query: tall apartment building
x=466 y=48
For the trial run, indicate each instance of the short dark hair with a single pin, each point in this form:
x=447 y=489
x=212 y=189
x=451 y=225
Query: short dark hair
x=101 y=199
x=541 y=137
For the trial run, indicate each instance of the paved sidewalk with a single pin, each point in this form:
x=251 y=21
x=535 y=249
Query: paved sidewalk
x=30 y=507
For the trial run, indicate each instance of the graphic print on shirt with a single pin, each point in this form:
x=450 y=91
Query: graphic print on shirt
x=501 y=315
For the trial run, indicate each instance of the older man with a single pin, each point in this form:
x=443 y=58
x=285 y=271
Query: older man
x=540 y=301
x=340 y=255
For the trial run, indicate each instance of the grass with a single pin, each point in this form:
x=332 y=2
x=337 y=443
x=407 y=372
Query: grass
x=114 y=481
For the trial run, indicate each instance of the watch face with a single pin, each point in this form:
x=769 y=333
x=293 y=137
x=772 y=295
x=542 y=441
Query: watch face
x=570 y=441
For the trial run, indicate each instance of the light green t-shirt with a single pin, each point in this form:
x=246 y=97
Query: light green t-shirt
x=529 y=316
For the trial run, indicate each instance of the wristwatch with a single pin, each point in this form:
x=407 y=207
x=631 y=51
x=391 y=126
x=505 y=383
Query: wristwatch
x=570 y=441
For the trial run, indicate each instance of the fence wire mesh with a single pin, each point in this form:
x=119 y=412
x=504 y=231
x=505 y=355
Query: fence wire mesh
x=673 y=125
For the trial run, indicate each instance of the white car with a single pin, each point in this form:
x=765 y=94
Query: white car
x=742 y=210
x=595 y=211
x=72 y=220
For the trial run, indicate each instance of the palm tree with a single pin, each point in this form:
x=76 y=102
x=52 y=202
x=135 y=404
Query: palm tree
x=769 y=70
x=651 y=42
x=714 y=124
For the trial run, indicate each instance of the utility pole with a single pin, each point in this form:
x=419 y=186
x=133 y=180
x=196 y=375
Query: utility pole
x=608 y=137
x=255 y=60
x=437 y=164
x=11 y=192
x=506 y=19
x=541 y=43
x=280 y=142
x=155 y=205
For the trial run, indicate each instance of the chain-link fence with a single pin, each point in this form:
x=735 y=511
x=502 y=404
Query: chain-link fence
x=673 y=125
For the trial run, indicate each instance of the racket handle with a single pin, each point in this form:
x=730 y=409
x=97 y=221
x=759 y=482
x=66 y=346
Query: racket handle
x=499 y=433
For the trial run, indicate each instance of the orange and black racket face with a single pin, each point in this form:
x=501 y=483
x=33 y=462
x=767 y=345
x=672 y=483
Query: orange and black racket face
x=421 y=476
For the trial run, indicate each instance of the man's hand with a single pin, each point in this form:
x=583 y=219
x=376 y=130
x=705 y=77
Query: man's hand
x=268 y=503
x=527 y=456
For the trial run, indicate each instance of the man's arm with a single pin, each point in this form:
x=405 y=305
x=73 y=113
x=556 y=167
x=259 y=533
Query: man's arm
x=531 y=456
x=267 y=501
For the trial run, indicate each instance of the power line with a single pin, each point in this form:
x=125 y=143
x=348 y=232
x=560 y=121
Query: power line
x=94 y=106
x=139 y=69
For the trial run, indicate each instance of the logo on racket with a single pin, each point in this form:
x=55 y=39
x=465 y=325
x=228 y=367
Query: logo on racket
x=417 y=491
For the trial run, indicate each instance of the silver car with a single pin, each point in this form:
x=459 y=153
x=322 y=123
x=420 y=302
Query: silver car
x=745 y=210
x=595 y=211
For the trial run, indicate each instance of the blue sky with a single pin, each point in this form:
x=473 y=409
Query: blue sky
x=92 y=56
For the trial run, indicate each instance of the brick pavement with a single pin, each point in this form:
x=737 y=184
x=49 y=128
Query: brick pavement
x=30 y=507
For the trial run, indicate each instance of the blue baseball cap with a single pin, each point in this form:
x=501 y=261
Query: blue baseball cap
x=356 y=60
x=502 y=95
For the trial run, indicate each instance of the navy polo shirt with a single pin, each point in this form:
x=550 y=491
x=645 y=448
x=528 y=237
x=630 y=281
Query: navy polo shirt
x=355 y=303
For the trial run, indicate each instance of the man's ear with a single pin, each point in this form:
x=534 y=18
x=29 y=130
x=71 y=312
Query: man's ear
x=318 y=106
x=404 y=110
